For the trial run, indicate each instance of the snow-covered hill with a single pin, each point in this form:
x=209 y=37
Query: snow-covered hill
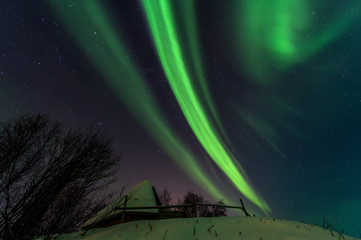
x=220 y=228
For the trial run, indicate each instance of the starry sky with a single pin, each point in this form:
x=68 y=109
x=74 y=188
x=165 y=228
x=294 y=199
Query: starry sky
x=228 y=98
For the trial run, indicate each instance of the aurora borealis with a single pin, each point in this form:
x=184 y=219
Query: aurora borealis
x=161 y=22
x=294 y=32
x=110 y=61
x=230 y=99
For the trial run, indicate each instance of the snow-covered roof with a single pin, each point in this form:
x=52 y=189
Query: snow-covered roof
x=142 y=195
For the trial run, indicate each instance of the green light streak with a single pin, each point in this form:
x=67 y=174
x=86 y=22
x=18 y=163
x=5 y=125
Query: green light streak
x=88 y=24
x=160 y=19
x=191 y=32
x=279 y=34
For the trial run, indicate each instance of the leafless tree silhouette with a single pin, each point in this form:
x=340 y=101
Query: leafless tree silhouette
x=49 y=176
x=202 y=210
x=165 y=196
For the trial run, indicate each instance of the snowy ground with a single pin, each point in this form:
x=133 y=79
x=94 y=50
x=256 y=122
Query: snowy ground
x=221 y=228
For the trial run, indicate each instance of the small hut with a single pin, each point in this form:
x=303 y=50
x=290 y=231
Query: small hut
x=142 y=195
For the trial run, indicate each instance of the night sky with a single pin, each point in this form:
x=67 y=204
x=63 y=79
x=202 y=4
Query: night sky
x=229 y=99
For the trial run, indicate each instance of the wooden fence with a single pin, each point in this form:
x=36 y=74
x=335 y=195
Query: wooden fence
x=192 y=205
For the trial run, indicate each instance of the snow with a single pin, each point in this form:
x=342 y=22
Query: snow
x=218 y=228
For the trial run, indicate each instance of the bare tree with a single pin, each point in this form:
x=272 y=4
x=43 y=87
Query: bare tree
x=165 y=196
x=203 y=210
x=48 y=176
x=218 y=211
x=199 y=210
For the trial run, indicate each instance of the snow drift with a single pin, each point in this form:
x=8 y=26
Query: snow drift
x=217 y=228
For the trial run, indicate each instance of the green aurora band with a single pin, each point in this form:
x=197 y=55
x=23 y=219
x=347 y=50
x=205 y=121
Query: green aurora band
x=194 y=63
x=162 y=25
x=275 y=36
x=87 y=22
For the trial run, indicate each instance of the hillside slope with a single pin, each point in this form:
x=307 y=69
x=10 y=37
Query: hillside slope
x=226 y=228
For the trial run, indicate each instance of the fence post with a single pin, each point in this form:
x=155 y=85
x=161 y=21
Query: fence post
x=244 y=208
x=194 y=206
x=125 y=205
